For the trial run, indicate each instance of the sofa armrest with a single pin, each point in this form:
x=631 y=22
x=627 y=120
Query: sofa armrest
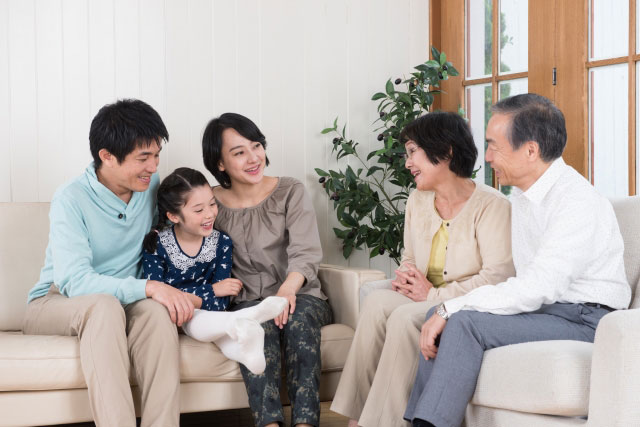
x=615 y=371
x=342 y=286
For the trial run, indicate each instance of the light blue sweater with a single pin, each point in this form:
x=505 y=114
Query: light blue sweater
x=95 y=240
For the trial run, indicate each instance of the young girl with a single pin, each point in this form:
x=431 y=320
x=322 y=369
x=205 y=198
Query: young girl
x=193 y=257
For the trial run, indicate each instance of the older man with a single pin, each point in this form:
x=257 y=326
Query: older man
x=567 y=251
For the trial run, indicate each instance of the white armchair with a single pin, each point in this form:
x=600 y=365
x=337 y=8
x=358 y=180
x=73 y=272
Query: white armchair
x=569 y=383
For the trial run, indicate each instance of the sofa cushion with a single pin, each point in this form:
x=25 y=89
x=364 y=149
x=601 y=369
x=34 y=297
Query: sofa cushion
x=24 y=228
x=547 y=377
x=40 y=362
x=626 y=210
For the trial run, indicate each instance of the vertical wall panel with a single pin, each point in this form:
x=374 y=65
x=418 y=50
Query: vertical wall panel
x=292 y=66
x=273 y=76
x=248 y=70
x=382 y=68
x=151 y=21
x=5 y=107
x=419 y=32
x=359 y=120
x=102 y=73
x=127 y=53
x=200 y=68
x=177 y=82
x=225 y=56
x=22 y=71
x=337 y=87
x=51 y=147
x=75 y=60
x=315 y=113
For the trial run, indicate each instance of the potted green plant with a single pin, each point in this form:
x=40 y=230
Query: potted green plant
x=369 y=198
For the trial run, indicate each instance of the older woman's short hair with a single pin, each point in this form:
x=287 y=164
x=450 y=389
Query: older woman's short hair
x=212 y=142
x=444 y=136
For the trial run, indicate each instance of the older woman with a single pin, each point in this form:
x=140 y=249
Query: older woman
x=276 y=252
x=457 y=238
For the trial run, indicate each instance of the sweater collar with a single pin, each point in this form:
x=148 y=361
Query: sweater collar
x=107 y=196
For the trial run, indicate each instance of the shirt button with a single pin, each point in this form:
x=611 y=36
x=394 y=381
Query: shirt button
x=445 y=272
x=447 y=224
x=120 y=216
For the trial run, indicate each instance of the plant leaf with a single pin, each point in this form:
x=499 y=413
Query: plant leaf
x=435 y=52
x=389 y=87
x=321 y=172
x=378 y=95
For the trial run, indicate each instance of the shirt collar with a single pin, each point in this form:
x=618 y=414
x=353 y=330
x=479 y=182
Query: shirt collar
x=537 y=192
x=102 y=192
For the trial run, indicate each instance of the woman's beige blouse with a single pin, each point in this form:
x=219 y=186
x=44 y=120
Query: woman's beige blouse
x=479 y=247
x=272 y=239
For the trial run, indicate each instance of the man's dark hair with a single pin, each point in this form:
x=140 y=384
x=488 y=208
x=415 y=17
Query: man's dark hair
x=212 y=142
x=534 y=118
x=122 y=126
x=173 y=194
x=444 y=136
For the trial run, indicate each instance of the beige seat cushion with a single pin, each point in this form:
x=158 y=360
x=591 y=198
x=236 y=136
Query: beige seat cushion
x=38 y=362
x=548 y=377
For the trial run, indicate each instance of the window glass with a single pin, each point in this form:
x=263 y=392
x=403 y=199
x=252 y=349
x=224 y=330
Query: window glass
x=608 y=28
x=478 y=15
x=608 y=110
x=478 y=110
x=514 y=36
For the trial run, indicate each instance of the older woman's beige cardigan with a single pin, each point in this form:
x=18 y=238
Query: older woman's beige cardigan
x=479 y=247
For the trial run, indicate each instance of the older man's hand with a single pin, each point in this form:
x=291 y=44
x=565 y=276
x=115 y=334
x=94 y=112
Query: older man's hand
x=431 y=330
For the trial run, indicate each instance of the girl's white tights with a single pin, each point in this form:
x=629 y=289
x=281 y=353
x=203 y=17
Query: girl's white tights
x=238 y=334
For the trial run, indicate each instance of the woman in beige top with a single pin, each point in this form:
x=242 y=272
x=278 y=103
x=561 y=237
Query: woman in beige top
x=456 y=236
x=277 y=251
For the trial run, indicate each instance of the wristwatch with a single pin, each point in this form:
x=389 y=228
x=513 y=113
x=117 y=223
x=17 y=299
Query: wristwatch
x=442 y=312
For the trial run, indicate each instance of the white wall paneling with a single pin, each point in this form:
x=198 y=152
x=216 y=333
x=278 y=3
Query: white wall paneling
x=52 y=152
x=291 y=66
x=5 y=106
x=22 y=72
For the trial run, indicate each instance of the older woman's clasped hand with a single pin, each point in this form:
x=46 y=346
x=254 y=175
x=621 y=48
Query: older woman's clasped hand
x=411 y=283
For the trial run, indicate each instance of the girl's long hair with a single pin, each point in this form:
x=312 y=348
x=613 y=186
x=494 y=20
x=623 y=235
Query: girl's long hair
x=172 y=196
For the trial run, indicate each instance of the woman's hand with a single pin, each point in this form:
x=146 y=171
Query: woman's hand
x=227 y=287
x=288 y=290
x=412 y=283
x=289 y=293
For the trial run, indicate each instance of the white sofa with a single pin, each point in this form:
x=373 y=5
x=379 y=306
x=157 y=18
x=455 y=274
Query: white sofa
x=569 y=383
x=41 y=381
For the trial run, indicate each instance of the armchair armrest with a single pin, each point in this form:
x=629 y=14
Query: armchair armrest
x=342 y=286
x=615 y=371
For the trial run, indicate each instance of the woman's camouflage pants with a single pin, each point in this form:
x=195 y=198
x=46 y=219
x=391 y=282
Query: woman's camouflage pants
x=300 y=340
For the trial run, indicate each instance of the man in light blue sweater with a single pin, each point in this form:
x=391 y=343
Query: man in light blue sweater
x=90 y=285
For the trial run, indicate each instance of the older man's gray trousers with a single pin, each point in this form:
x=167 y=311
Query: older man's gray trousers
x=445 y=385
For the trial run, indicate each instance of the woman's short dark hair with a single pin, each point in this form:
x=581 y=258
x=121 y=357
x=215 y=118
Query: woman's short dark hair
x=212 y=142
x=122 y=126
x=173 y=193
x=534 y=118
x=444 y=136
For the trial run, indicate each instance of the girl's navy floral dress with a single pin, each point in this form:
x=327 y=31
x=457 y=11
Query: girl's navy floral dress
x=195 y=275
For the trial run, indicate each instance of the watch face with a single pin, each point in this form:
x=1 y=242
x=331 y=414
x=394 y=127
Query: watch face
x=442 y=312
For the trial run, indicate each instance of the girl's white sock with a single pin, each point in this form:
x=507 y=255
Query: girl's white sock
x=266 y=310
x=248 y=348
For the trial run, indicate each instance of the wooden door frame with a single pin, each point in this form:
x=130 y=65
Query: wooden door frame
x=567 y=54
